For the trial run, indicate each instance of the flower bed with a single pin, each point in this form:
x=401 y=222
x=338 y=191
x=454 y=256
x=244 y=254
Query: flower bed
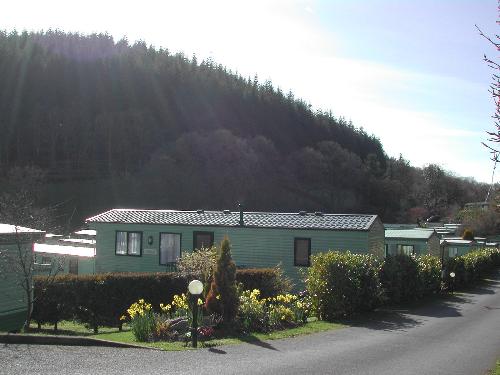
x=172 y=322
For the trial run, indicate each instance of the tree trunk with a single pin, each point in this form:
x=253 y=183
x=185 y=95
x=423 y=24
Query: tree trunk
x=27 y=321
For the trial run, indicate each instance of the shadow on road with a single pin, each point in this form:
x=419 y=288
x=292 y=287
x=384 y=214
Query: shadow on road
x=254 y=340
x=384 y=320
x=408 y=316
x=487 y=286
x=217 y=351
x=402 y=318
x=441 y=307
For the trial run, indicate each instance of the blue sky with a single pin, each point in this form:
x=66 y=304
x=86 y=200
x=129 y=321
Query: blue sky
x=410 y=72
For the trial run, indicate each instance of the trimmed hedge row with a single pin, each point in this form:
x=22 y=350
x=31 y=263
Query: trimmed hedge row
x=471 y=267
x=100 y=300
x=407 y=278
x=341 y=283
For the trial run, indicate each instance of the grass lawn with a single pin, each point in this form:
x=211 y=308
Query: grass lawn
x=496 y=370
x=70 y=328
x=112 y=334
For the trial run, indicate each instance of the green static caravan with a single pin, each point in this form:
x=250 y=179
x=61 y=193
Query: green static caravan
x=452 y=247
x=52 y=258
x=16 y=247
x=130 y=240
x=411 y=241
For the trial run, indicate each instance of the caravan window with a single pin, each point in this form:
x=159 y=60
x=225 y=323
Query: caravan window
x=302 y=252
x=128 y=243
x=406 y=249
x=170 y=248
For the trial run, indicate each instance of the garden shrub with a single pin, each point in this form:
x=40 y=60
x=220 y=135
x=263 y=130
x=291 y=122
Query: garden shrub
x=408 y=278
x=199 y=264
x=457 y=266
x=222 y=298
x=399 y=277
x=341 y=283
x=54 y=301
x=468 y=234
x=429 y=271
x=269 y=281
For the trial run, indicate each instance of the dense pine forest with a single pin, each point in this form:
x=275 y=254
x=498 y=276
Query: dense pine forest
x=98 y=123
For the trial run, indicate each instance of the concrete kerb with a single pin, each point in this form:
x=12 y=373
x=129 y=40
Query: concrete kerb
x=14 y=338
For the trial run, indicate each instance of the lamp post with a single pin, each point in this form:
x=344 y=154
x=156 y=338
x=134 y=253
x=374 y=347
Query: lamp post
x=195 y=288
x=452 y=275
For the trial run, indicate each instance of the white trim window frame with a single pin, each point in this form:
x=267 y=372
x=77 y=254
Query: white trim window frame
x=128 y=243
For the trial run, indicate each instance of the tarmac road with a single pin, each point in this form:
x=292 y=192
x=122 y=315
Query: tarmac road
x=456 y=335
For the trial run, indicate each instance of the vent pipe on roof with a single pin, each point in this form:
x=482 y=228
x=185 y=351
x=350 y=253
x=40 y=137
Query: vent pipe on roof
x=318 y=213
x=302 y=213
x=240 y=207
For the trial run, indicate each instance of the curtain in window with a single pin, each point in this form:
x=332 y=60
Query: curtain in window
x=405 y=249
x=170 y=247
x=134 y=243
x=121 y=243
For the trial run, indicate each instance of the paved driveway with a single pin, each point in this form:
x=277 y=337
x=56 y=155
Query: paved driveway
x=458 y=335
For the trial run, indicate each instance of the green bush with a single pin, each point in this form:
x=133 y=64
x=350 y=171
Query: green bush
x=100 y=300
x=399 y=278
x=468 y=234
x=471 y=267
x=53 y=301
x=341 y=283
x=429 y=271
x=407 y=278
x=269 y=281
x=199 y=264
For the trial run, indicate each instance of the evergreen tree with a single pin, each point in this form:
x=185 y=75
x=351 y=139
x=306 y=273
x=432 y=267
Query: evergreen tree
x=223 y=297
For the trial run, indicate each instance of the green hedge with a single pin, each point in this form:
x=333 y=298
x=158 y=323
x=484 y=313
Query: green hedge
x=100 y=300
x=270 y=281
x=341 y=283
x=429 y=271
x=53 y=301
x=471 y=267
x=407 y=278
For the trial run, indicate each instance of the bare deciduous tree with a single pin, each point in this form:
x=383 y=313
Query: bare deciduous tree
x=494 y=136
x=17 y=208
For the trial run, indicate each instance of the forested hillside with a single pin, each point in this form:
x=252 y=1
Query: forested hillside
x=113 y=124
